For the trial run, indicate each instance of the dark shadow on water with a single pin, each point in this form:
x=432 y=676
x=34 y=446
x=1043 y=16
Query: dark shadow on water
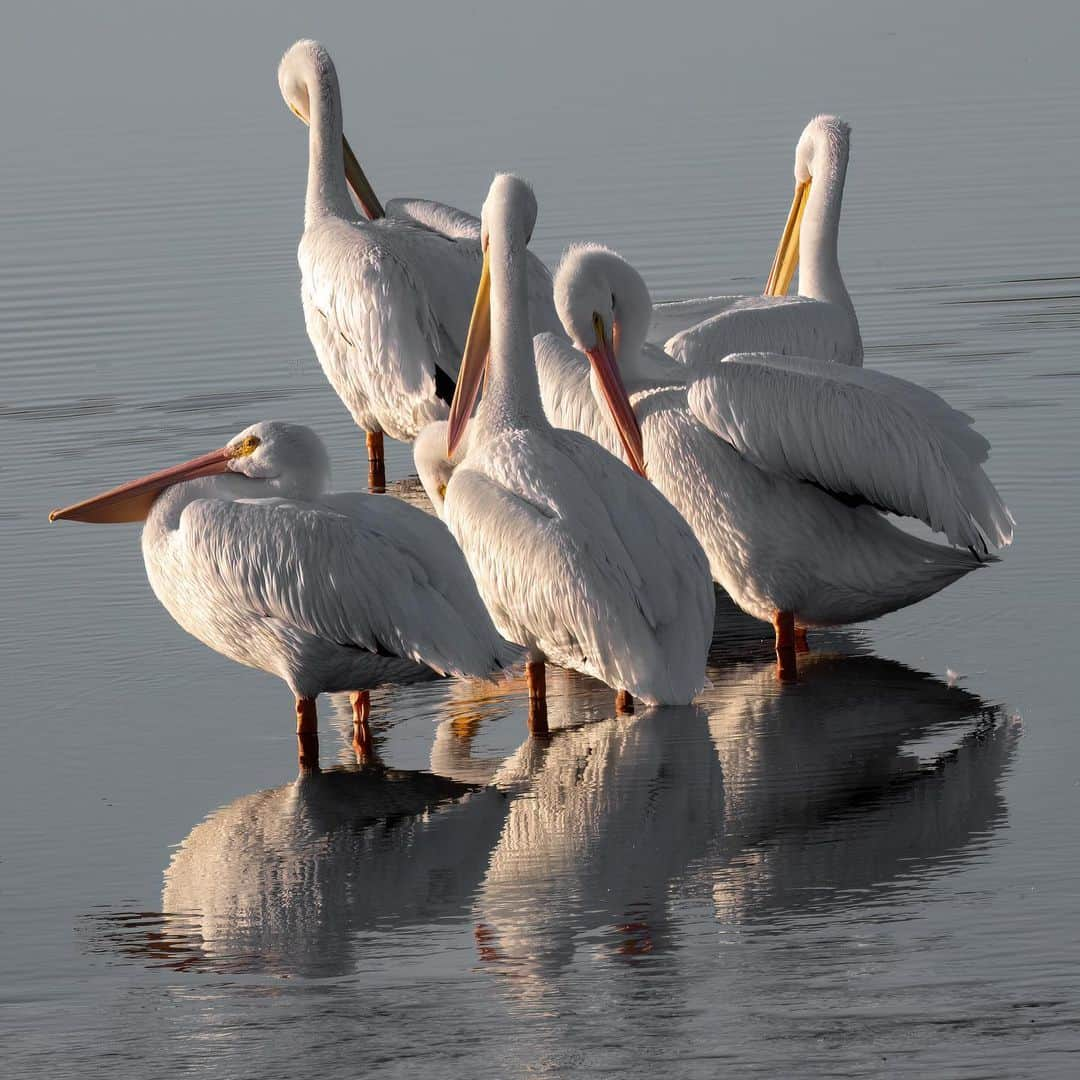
x=767 y=803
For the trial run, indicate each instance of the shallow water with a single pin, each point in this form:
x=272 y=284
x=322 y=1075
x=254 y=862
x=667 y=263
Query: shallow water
x=871 y=872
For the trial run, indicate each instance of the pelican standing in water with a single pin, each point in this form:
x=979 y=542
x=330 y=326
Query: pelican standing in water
x=780 y=464
x=820 y=322
x=578 y=560
x=249 y=553
x=385 y=300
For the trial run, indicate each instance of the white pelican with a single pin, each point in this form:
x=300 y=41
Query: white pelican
x=820 y=321
x=249 y=553
x=386 y=301
x=578 y=560
x=778 y=463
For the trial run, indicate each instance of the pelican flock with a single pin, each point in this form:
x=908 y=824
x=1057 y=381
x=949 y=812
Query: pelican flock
x=590 y=483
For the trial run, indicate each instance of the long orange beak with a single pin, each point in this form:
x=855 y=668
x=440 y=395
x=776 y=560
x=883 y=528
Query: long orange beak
x=602 y=358
x=787 y=251
x=132 y=502
x=473 y=361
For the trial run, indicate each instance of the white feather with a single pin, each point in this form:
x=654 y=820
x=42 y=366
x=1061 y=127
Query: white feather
x=578 y=559
x=792 y=325
x=386 y=302
x=775 y=541
x=820 y=321
x=855 y=433
x=331 y=592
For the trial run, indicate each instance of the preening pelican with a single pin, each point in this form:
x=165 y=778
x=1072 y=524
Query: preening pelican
x=780 y=464
x=820 y=322
x=386 y=301
x=249 y=553
x=578 y=560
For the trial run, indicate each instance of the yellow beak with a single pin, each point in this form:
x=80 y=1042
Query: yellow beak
x=787 y=251
x=473 y=361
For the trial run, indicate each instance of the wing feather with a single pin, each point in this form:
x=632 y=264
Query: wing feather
x=857 y=434
x=671 y=317
x=792 y=325
x=615 y=585
x=358 y=570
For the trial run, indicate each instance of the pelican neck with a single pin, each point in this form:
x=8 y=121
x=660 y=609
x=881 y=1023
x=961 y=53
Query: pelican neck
x=327 y=193
x=512 y=390
x=819 y=266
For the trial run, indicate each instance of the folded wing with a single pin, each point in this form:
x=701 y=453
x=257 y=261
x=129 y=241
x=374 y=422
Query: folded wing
x=362 y=571
x=860 y=435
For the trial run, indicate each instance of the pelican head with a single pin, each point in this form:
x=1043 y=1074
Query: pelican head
x=511 y=206
x=286 y=460
x=605 y=307
x=601 y=298
x=821 y=153
x=306 y=71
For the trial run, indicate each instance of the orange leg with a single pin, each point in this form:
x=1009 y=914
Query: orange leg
x=624 y=702
x=786 y=665
x=537 y=681
x=307 y=733
x=802 y=646
x=376 y=462
x=375 y=447
x=307 y=720
x=361 y=732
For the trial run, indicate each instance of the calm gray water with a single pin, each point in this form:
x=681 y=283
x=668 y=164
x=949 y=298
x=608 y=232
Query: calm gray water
x=873 y=872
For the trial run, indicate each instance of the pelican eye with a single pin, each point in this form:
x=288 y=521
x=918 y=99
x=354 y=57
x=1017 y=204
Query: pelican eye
x=245 y=447
x=598 y=326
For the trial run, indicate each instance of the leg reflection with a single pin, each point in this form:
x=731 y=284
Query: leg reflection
x=787 y=669
x=363 y=743
x=307 y=751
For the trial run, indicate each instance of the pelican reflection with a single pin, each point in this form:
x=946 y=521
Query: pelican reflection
x=766 y=798
x=284 y=881
x=607 y=840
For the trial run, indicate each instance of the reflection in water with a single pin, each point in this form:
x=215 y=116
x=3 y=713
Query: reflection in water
x=766 y=801
x=281 y=881
x=863 y=774
x=611 y=814
x=773 y=799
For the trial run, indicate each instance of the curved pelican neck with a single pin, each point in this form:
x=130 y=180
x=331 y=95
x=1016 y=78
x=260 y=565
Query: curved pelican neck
x=512 y=390
x=327 y=192
x=819 y=266
x=641 y=366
